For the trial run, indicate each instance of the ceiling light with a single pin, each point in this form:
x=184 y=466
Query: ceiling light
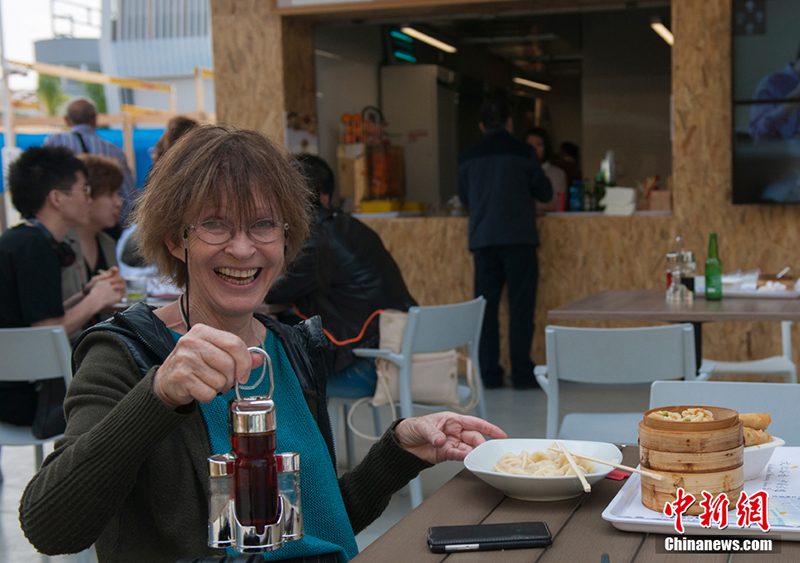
x=532 y=84
x=428 y=39
x=328 y=54
x=662 y=30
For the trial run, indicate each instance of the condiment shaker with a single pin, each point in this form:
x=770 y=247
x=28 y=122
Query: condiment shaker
x=220 y=481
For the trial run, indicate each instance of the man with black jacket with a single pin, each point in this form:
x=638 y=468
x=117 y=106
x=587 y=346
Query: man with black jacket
x=344 y=274
x=500 y=179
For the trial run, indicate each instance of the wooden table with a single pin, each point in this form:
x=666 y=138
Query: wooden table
x=579 y=532
x=652 y=305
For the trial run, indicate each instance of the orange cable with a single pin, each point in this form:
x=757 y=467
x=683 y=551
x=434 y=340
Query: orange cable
x=330 y=336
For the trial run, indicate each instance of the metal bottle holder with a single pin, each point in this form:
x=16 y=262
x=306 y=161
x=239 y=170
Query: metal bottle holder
x=253 y=415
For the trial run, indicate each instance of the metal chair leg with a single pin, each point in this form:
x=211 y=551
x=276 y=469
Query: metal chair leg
x=350 y=439
x=416 y=492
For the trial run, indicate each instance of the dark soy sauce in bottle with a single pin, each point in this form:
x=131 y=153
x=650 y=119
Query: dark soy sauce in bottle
x=255 y=469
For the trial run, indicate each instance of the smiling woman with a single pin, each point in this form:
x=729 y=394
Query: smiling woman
x=224 y=212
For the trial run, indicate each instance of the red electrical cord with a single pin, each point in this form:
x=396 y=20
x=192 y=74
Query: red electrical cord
x=330 y=336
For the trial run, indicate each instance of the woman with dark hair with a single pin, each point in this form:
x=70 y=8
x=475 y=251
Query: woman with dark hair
x=127 y=250
x=223 y=214
x=175 y=129
x=539 y=139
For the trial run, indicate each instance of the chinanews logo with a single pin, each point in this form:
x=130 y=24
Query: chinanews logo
x=751 y=512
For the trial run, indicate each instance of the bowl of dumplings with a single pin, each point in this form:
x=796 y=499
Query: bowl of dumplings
x=536 y=469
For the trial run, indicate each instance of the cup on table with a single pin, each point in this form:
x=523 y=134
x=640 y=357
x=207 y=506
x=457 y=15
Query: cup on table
x=136 y=289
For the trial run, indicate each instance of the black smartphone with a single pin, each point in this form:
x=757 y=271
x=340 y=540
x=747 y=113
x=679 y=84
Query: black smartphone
x=485 y=537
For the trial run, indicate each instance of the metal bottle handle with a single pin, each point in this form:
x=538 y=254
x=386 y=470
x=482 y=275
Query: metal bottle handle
x=266 y=365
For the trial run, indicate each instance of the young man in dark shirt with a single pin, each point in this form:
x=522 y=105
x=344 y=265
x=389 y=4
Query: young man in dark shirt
x=48 y=187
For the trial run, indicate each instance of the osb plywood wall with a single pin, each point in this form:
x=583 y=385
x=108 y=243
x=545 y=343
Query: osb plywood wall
x=257 y=58
x=582 y=255
x=263 y=65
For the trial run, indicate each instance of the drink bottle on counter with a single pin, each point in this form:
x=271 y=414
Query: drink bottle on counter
x=713 y=271
x=576 y=196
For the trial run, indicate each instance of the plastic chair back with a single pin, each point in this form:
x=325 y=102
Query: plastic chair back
x=31 y=354
x=611 y=356
x=620 y=355
x=780 y=400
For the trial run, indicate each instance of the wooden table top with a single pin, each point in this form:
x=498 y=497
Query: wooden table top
x=579 y=532
x=651 y=305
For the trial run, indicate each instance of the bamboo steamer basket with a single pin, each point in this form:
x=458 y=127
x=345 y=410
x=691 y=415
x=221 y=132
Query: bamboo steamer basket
x=694 y=456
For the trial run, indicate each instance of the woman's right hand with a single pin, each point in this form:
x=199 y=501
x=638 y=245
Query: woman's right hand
x=205 y=362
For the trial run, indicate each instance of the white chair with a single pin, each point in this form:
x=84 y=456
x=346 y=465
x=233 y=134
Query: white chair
x=776 y=365
x=30 y=354
x=614 y=356
x=780 y=400
x=433 y=329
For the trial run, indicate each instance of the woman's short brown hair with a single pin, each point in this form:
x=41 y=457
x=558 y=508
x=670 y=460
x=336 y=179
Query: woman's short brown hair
x=208 y=164
x=105 y=174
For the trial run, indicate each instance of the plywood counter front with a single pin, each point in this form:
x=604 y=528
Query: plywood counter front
x=578 y=256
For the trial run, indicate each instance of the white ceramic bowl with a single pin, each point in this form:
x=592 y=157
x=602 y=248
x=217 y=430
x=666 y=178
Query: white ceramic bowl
x=481 y=462
x=756 y=458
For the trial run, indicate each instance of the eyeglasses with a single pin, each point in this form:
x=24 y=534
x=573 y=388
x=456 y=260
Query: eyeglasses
x=87 y=190
x=217 y=231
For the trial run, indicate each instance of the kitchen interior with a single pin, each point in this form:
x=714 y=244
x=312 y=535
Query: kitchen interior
x=599 y=78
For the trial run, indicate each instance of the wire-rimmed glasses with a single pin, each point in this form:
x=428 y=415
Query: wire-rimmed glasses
x=219 y=231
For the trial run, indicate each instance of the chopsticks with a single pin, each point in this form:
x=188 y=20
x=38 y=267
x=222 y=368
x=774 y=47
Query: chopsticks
x=656 y=476
x=578 y=471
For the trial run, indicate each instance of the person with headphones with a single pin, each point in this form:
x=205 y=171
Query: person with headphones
x=48 y=187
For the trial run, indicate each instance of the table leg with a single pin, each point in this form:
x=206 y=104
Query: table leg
x=698 y=345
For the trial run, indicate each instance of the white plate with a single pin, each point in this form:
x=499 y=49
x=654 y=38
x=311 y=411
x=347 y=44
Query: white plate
x=757 y=457
x=481 y=462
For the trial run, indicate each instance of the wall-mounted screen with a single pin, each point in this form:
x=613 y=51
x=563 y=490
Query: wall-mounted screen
x=766 y=101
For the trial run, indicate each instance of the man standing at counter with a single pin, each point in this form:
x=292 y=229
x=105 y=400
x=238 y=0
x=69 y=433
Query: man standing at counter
x=500 y=179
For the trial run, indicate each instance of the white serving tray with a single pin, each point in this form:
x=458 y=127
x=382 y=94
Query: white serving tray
x=756 y=294
x=700 y=287
x=626 y=512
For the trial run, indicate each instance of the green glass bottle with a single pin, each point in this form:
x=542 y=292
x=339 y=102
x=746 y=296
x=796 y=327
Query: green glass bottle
x=713 y=271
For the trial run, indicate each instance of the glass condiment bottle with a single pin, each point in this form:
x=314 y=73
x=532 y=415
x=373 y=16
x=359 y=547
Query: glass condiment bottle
x=688 y=271
x=289 y=489
x=220 y=481
x=713 y=271
x=672 y=264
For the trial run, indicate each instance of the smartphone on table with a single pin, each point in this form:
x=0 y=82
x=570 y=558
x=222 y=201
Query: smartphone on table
x=485 y=537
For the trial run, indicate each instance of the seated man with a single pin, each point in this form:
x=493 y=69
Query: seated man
x=344 y=274
x=48 y=187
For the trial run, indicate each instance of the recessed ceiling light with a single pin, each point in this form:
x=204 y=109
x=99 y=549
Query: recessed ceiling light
x=532 y=84
x=662 y=30
x=428 y=39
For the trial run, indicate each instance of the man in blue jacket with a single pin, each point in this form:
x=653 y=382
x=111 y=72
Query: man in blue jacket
x=500 y=179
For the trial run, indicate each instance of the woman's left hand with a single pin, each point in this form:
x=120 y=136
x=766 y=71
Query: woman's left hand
x=444 y=436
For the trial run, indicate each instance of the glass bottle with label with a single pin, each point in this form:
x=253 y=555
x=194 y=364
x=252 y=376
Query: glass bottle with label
x=713 y=271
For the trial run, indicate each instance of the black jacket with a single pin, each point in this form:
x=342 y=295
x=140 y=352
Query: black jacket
x=150 y=342
x=500 y=179
x=343 y=274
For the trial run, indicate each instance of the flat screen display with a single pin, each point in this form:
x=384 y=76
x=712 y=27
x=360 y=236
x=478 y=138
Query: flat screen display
x=766 y=101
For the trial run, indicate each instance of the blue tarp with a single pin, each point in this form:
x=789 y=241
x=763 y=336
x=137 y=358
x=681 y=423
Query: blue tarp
x=143 y=139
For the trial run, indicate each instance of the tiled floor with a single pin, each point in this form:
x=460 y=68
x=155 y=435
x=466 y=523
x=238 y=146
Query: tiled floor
x=520 y=413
